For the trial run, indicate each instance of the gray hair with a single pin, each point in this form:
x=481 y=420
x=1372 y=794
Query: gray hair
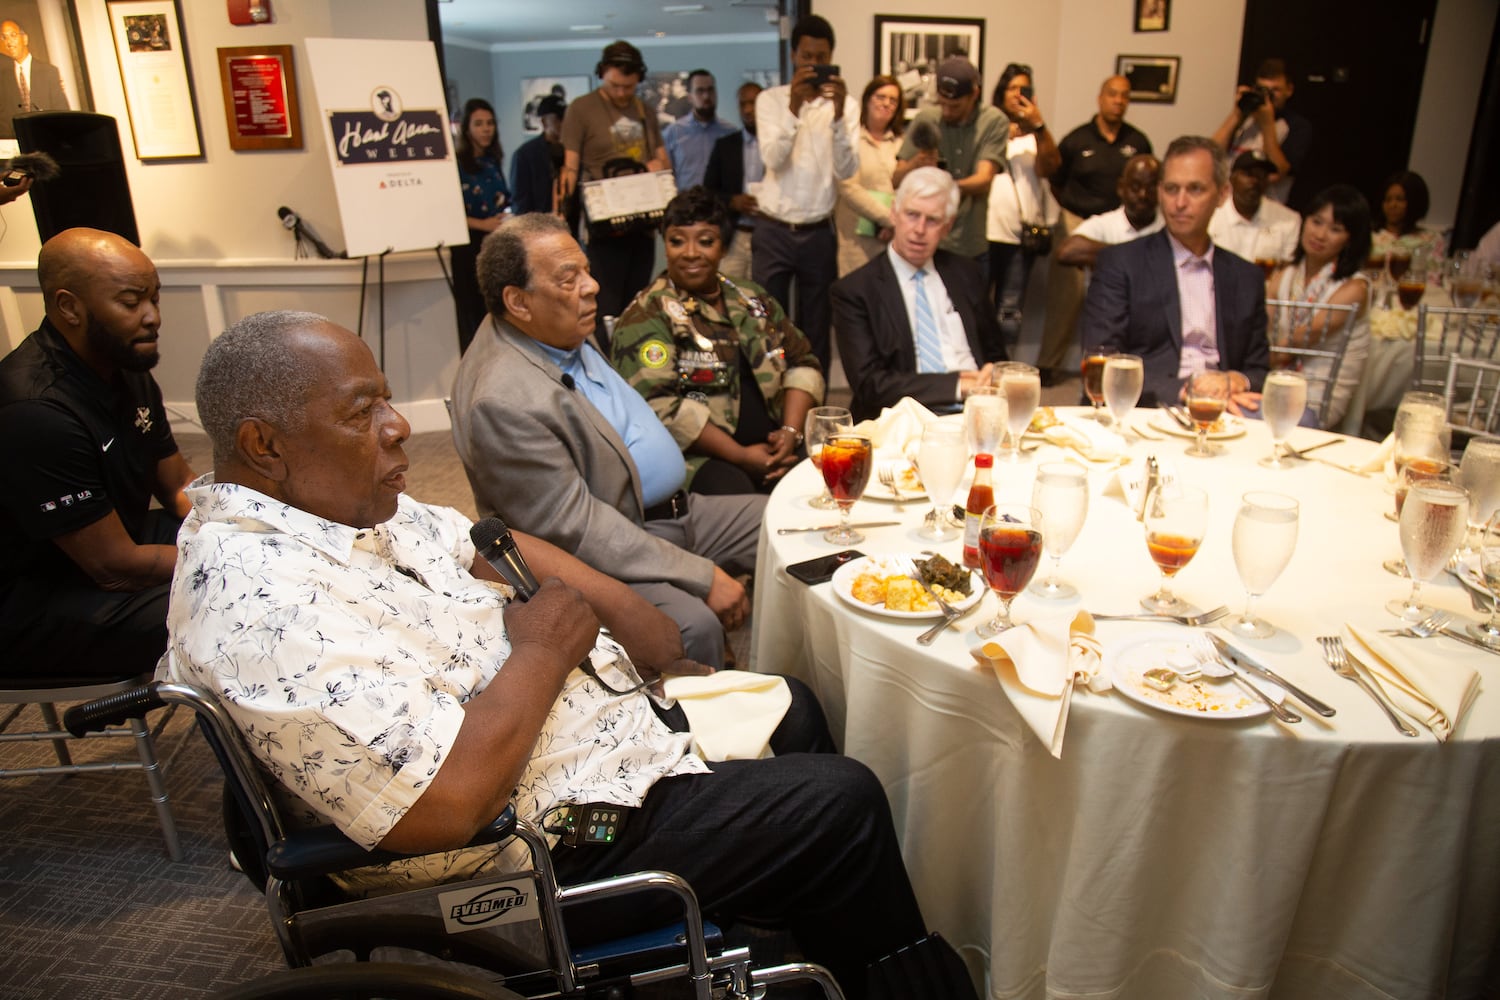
x=248 y=372
x=924 y=182
x=503 y=256
x=1185 y=144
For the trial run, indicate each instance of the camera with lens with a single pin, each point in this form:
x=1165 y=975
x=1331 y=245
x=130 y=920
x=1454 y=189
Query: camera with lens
x=1251 y=100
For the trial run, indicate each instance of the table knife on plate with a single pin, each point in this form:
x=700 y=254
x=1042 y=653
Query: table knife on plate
x=1239 y=659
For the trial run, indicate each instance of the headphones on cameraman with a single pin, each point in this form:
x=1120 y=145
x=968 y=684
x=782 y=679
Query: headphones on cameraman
x=622 y=56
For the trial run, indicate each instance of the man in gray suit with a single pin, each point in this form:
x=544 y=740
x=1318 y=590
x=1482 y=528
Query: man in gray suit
x=559 y=445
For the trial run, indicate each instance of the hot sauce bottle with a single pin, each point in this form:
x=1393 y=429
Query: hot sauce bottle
x=981 y=497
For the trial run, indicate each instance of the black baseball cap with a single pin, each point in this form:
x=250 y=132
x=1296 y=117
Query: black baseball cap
x=551 y=105
x=1253 y=159
x=956 y=77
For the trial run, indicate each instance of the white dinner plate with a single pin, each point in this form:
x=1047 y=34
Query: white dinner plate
x=1469 y=575
x=906 y=478
x=891 y=565
x=1233 y=427
x=1205 y=698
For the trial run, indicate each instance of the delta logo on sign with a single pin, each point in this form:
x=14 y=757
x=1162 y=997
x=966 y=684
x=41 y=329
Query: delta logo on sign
x=388 y=132
x=494 y=903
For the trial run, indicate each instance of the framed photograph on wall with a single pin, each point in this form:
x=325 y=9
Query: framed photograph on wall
x=260 y=97
x=152 y=52
x=910 y=49
x=48 y=33
x=534 y=88
x=1153 y=79
x=1152 y=15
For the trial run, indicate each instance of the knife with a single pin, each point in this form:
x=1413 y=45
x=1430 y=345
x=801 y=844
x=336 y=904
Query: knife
x=1239 y=659
x=1294 y=453
x=1183 y=420
x=830 y=527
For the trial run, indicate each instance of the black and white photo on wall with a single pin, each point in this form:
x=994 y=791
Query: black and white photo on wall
x=1153 y=79
x=910 y=49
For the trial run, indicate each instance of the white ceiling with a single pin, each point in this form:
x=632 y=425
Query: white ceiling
x=492 y=23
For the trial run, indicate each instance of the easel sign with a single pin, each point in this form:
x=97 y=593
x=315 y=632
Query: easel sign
x=382 y=108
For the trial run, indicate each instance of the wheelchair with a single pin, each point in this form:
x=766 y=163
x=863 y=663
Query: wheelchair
x=507 y=926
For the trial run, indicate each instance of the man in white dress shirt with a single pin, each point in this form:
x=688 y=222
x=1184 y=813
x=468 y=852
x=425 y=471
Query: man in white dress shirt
x=916 y=321
x=807 y=139
x=1249 y=224
x=1137 y=215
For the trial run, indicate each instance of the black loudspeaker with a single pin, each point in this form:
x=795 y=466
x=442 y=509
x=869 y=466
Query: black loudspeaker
x=91 y=189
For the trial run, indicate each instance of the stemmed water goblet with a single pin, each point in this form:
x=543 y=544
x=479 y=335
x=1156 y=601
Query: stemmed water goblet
x=1176 y=521
x=1414 y=471
x=1489 y=571
x=1124 y=378
x=1265 y=535
x=1207 y=395
x=1283 y=400
x=1061 y=494
x=1479 y=473
x=1093 y=381
x=1021 y=387
x=1433 y=521
x=847 y=458
x=985 y=413
x=822 y=421
x=941 y=459
x=1010 y=546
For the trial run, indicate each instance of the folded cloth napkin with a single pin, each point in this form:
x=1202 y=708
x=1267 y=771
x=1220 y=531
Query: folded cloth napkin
x=1382 y=458
x=1420 y=680
x=1088 y=438
x=897 y=432
x=732 y=712
x=1039 y=663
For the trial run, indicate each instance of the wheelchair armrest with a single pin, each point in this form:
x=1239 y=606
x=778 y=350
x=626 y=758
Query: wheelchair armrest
x=324 y=850
x=111 y=710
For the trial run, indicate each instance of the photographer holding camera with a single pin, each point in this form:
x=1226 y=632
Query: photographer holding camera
x=1260 y=122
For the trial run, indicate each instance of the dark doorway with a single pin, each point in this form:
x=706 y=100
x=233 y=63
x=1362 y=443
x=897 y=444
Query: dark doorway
x=1358 y=72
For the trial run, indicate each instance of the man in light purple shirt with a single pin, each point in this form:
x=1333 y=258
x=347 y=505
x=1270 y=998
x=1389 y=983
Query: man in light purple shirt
x=1174 y=301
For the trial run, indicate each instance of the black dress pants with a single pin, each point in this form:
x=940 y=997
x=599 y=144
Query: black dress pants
x=802 y=840
x=622 y=266
x=810 y=255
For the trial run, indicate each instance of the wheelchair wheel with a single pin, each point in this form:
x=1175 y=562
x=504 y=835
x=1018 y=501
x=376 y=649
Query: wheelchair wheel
x=369 y=981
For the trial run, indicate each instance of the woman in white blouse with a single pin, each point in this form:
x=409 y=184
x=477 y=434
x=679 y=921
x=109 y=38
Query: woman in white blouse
x=1325 y=268
x=862 y=216
x=1019 y=195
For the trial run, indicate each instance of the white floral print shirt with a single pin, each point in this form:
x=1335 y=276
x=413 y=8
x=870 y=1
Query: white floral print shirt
x=346 y=654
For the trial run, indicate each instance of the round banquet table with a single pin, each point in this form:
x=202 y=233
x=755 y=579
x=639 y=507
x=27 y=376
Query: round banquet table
x=1161 y=856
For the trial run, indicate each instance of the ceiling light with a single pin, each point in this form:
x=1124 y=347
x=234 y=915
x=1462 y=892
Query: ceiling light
x=683 y=8
x=585 y=27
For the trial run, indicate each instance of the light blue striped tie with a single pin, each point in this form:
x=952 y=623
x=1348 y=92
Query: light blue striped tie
x=929 y=347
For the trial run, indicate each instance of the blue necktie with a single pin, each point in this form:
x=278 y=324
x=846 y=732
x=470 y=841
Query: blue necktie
x=929 y=346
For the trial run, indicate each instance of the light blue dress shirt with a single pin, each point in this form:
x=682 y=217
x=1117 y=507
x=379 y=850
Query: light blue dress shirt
x=657 y=457
x=690 y=143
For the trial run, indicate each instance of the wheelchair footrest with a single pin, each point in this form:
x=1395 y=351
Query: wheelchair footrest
x=645 y=950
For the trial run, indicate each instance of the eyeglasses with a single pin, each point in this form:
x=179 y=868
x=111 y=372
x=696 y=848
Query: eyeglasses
x=884 y=99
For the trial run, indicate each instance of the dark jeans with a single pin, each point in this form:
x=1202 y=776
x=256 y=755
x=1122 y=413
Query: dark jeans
x=802 y=840
x=468 y=303
x=74 y=629
x=811 y=257
x=1010 y=270
x=622 y=266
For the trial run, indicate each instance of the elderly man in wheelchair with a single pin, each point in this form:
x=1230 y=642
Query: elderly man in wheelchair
x=384 y=674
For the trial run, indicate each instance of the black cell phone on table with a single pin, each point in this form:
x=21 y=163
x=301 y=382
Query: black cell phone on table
x=821 y=569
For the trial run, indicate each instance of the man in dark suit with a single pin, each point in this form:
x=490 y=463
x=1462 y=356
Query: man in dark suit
x=39 y=84
x=733 y=165
x=1172 y=299
x=916 y=321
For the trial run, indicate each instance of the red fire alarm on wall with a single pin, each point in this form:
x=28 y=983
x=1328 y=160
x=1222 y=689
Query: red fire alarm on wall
x=249 y=11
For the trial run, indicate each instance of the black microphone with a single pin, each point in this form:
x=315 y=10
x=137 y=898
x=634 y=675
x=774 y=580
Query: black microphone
x=925 y=136
x=567 y=381
x=498 y=547
x=38 y=166
x=291 y=220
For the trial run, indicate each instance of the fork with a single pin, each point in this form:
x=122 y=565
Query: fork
x=1338 y=658
x=888 y=480
x=1437 y=624
x=1210 y=664
x=950 y=613
x=1206 y=618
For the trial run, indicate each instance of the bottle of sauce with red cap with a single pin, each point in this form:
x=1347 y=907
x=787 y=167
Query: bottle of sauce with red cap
x=981 y=498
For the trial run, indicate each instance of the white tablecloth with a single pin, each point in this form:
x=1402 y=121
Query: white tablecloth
x=1164 y=857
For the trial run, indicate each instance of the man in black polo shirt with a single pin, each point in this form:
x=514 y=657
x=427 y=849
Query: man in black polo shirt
x=1093 y=157
x=84 y=441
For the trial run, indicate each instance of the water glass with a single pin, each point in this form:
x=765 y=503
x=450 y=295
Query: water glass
x=1021 y=387
x=1282 y=403
x=1479 y=473
x=941 y=460
x=1421 y=429
x=1010 y=546
x=822 y=421
x=985 y=414
x=1093 y=381
x=1433 y=521
x=1124 y=378
x=1265 y=535
x=1061 y=493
